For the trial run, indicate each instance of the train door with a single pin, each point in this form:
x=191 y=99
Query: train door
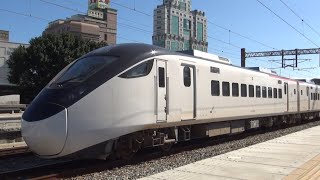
x=308 y=95
x=187 y=92
x=162 y=89
x=286 y=92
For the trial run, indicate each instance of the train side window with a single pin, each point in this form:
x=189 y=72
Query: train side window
x=294 y=91
x=161 y=77
x=258 y=91
x=187 y=76
x=269 y=92
x=264 y=92
x=280 y=93
x=215 y=88
x=244 y=90
x=225 y=88
x=251 y=91
x=285 y=88
x=235 y=89
x=275 y=93
x=140 y=70
x=215 y=70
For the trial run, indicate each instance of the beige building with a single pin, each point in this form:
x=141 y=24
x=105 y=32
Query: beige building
x=100 y=24
x=6 y=48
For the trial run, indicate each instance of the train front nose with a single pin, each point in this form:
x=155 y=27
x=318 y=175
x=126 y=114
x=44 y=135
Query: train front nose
x=45 y=133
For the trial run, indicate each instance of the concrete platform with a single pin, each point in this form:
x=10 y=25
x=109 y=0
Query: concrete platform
x=294 y=156
x=12 y=145
x=10 y=122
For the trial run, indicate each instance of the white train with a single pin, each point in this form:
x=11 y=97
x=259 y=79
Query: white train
x=119 y=99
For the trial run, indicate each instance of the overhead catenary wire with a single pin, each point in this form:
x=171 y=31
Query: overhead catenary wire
x=25 y=15
x=303 y=20
x=141 y=29
x=243 y=36
x=295 y=29
x=82 y=12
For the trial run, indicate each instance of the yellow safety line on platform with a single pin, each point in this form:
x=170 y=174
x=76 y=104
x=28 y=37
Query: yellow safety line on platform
x=309 y=170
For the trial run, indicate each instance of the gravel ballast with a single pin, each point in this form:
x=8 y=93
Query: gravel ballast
x=157 y=165
x=183 y=158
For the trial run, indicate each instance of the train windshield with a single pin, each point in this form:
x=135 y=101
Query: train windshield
x=83 y=69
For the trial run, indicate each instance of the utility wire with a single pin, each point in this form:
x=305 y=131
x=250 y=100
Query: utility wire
x=25 y=15
x=238 y=34
x=124 y=19
x=288 y=23
x=300 y=17
x=82 y=12
x=133 y=9
x=224 y=42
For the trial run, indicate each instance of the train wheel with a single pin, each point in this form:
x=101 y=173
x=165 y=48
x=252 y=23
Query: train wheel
x=166 y=147
x=126 y=154
x=127 y=146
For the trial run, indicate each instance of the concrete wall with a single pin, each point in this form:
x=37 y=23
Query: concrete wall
x=10 y=99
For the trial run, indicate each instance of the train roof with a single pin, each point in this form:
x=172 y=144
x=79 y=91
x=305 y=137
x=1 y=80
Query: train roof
x=132 y=53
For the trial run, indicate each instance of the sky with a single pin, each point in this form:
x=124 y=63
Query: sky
x=233 y=23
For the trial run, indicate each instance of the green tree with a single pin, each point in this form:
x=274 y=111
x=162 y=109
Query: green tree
x=33 y=67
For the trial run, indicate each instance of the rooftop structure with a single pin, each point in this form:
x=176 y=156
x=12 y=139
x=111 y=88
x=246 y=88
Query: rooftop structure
x=100 y=23
x=178 y=28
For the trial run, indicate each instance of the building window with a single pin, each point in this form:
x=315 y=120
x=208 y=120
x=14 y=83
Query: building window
x=215 y=88
x=225 y=88
x=243 y=90
x=175 y=25
x=235 y=89
x=258 y=91
x=174 y=46
x=251 y=91
x=186 y=45
x=105 y=37
x=199 y=31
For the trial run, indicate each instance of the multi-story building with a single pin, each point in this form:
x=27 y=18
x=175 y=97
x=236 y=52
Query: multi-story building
x=100 y=23
x=6 y=48
x=178 y=28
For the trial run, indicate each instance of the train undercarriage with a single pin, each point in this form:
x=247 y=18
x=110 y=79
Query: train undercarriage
x=126 y=146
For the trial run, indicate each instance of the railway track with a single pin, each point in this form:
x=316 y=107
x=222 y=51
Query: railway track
x=74 y=168
x=13 y=151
